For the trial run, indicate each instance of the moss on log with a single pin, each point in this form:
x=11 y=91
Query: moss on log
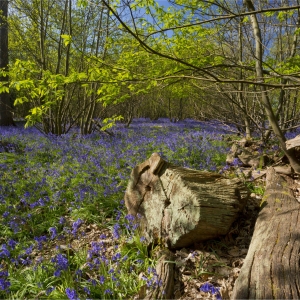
x=271 y=268
x=178 y=206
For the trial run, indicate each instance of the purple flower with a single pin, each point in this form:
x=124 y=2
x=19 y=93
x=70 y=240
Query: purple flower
x=206 y=287
x=103 y=236
x=130 y=218
x=4 y=284
x=61 y=263
x=116 y=257
x=116 y=229
x=53 y=232
x=71 y=294
x=62 y=220
x=101 y=279
x=5 y=214
x=108 y=291
x=76 y=226
x=29 y=250
x=4 y=251
x=12 y=244
x=49 y=290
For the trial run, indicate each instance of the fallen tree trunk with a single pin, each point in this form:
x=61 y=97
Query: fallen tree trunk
x=178 y=206
x=271 y=267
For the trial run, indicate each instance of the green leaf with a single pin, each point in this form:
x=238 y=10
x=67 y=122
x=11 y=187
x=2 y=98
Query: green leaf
x=82 y=3
x=4 y=89
x=67 y=39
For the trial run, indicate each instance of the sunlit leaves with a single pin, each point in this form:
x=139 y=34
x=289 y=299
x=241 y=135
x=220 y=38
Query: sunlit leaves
x=67 y=39
x=82 y=3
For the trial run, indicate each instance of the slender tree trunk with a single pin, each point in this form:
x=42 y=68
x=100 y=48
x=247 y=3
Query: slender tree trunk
x=295 y=164
x=6 y=118
x=241 y=86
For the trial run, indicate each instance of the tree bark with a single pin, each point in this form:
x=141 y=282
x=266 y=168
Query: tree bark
x=271 y=267
x=165 y=269
x=6 y=118
x=178 y=206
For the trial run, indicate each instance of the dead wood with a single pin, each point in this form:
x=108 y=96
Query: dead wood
x=293 y=143
x=271 y=268
x=165 y=269
x=178 y=206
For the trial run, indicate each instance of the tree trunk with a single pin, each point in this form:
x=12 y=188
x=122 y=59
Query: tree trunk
x=271 y=268
x=5 y=106
x=295 y=164
x=179 y=206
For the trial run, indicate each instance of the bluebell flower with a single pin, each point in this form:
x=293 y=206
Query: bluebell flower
x=207 y=287
x=108 y=291
x=12 y=244
x=116 y=232
x=53 y=232
x=57 y=273
x=49 y=290
x=4 y=284
x=61 y=263
x=4 y=252
x=86 y=290
x=28 y=250
x=130 y=218
x=62 y=220
x=76 y=225
x=116 y=256
x=5 y=214
x=101 y=279
x=140 y=261
x=71 y=294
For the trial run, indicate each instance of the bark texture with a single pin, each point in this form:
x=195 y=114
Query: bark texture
x=271 y=268
x=178 y=207
x=165 y=269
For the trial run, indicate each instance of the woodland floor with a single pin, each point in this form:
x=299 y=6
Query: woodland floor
x=216 y=261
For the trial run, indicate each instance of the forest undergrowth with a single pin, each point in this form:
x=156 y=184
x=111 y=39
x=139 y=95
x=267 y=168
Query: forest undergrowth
x=65 y=232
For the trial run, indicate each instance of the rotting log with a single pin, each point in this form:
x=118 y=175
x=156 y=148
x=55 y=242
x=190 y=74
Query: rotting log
x=178 y=207
x=271 y=267
x=293 y=143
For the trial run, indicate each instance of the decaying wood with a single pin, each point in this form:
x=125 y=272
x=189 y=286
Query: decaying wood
x=179 y=207
x=165 y=269
x=295 y=142
x=271 y=268
x=247 y=152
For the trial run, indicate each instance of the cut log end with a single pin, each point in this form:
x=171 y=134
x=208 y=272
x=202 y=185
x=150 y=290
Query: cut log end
x=180 y=206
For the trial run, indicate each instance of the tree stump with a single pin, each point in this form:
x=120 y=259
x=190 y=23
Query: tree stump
x=178 y=207
x=271 y=268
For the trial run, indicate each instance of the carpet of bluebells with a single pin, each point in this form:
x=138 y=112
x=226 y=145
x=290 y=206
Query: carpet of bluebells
x=64 y=228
